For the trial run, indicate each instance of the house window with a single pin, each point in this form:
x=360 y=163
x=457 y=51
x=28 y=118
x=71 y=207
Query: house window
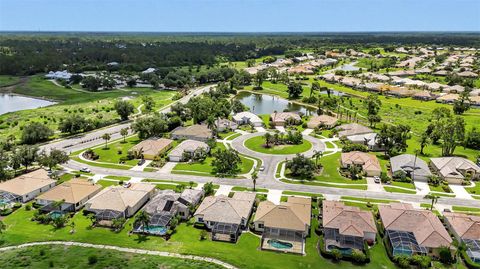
x=260 y=226
x=200 y=219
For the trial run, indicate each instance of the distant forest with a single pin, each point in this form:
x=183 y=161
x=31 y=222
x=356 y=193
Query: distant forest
x=30 y=53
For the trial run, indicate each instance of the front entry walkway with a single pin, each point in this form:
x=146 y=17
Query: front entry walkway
x=422 y=187
x=223 y=190
x=274 y=196
x=141 y=167
x=460 y=192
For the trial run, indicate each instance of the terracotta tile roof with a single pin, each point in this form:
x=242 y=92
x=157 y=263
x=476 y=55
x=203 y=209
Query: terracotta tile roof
x=152 y=146
x=353 y=129
x=72 y=191
x=426 y=227
x=284 y=116
x=367 y=161
x=226 y=210
x=325 y=119
x=349 y=220
x=118 y=198
x=295 y=214
x=27 y=183
x=198 y=130
x=466 y=226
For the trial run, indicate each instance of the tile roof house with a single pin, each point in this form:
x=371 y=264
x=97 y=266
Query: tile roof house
x=195 y=132
x=352 y=129
x=368 y=162
x=225 y=217
x=467 y=74
x=322 y=120
x=187 y=146
x=284 y=118
x=413 y=231
x=455 y=169
x=466 y=229
x=448 y=98
x=246 y=117
x=425 y=96
x=224 y=124
x=74 y=194
x=287 y=222
x=25 y=187
x=415 y=168
x=346 y=226
x=152 y=147
x=118 y=202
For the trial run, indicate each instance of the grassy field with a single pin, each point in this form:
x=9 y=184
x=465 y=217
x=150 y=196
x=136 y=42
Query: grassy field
x=380 y=201
x=256 y=144
x=107 y=183
x=186 y=241
x=78 y=257
x=116 y=150
x=393 y=189
x=206 y=167
x=8 y=80
x=97 y=105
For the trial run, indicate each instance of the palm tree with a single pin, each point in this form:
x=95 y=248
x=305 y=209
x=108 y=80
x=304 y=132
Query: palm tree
x=268 y=139
x=254 y=179
x=317 y=155
x=191 y=183
x=143 y=218
x=106 y=137
x=124 y=133
x=212 y=125
x=434 y=199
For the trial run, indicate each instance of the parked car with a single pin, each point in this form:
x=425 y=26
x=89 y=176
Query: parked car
x=376 y=179
x=262 y=168
x=141 y=162
x=127 y=184
x=85 y=170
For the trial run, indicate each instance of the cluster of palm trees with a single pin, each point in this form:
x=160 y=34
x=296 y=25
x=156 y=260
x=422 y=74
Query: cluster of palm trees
x=278 y=138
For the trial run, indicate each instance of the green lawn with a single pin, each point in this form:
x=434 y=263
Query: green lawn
x=239 y=188
x=107 y=183
x=318 y=183
x=110 y=154
x=393 y=189
x=403 y=185
x=186 y=241
x=77 y=257
x=234 y=136
x=206 y=168
x=380 y=201
x=256 y=144
x=474 y=190
x=8 y=80
x=223 y=135
x=119 y=178
x=302 y=193
x=465 y=209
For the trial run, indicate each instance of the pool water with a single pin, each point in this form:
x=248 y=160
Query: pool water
x=279 y=244
x=344 y=251
x=55 y=214
x=160 y=230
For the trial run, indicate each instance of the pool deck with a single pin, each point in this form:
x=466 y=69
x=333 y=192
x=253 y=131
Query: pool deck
x=297 y=247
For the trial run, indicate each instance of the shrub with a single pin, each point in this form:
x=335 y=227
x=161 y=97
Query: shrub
x=336 y=254
x=358 y=256
x=203 y=235
x=421 y=261
x=446 y=256
x=403 y=261
x=28 y=207
x=92 y=259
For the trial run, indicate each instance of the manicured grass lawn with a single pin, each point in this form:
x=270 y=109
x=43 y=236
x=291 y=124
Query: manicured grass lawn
x=206 y=167
x=223 y=135
x=234 y=136
x=8 y=80
x=119 y=178
x=465 y=209
x=186 y=241
x=439 y=188
x=330 y=172
x=317 y=183
x=363 y=206
x=111 y=153
x=474 y=190
x=302 y=193
x=107 y=183
x=256 y=144
x=77 y=257
x=166 y=181
x=115 y=166
x=65 y=177
x=238 y=188
x=403 y=185
x=393 y=189
x=381 y=201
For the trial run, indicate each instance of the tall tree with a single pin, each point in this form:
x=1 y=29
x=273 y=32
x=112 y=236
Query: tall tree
x=106 y=137
x=35 y=132
x=373 y=104
x=124 y=109
x=124 y=133
x=314 y=88
x=24 y=155
x=143 y=218
x=452 y=134
x=226 y=162
x=53 y=158
x=294 y=90
x=148 y=103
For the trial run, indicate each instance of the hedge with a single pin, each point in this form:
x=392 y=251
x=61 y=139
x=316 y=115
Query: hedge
x=328 y=255
x=470 y=264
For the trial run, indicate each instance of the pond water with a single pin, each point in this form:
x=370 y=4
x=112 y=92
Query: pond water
x=267 y=104
x=11 y=102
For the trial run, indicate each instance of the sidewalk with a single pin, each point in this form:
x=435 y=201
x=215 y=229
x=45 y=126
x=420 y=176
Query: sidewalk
x=274 y=196
x=223 y=190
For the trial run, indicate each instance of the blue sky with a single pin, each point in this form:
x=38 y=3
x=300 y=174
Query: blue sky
x=240 y=15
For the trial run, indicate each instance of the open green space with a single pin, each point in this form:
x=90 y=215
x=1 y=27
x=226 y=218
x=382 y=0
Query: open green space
x=406 y=185
x=298 y=193
x=8 y=80
x=465 y=209
x=206 y=168
x=257 y=144
x=239 y=188
x=119 y=178
x=394 y=189
x=371 y=200
x=186 y=241
x=318 y=183
x=78 y=257
x=475 y=189
x=117 y=150
x=107 y=183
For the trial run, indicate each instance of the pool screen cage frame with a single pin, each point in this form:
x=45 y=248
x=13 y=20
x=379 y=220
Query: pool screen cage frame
x=403 y=242
x=8 y=197
x=108 y=215
x=226 y=228
x=283 y=234
x=473 y=249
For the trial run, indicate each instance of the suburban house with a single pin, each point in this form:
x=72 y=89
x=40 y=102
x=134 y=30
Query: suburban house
x=287 y=223
x=187 y=146
x=425 y=96
x=415 y=168
x=164 y=206
x=368 y=162
x=152 y=147
x=246 y=117
x=359 y=134
x=466 y=229
x=25 y=187
x=347 y=227
x=60 y=75
x=455 y=169
x=116 y=202
x=285 y=118
x=226 y=217
x=322 y=120
x=73 y=194
x=412 y=231
x=197 y=132
x=224 y=124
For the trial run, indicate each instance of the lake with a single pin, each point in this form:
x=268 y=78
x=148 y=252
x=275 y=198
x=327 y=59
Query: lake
x=12 y=102
x=267 y=104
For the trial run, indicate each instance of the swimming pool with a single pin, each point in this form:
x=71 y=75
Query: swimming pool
x=55 y=214
x=157 y=230
x=279 y=244
x=344 y=251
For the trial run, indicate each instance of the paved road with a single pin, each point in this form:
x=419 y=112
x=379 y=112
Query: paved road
x=88 y=140
x=122 y=249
